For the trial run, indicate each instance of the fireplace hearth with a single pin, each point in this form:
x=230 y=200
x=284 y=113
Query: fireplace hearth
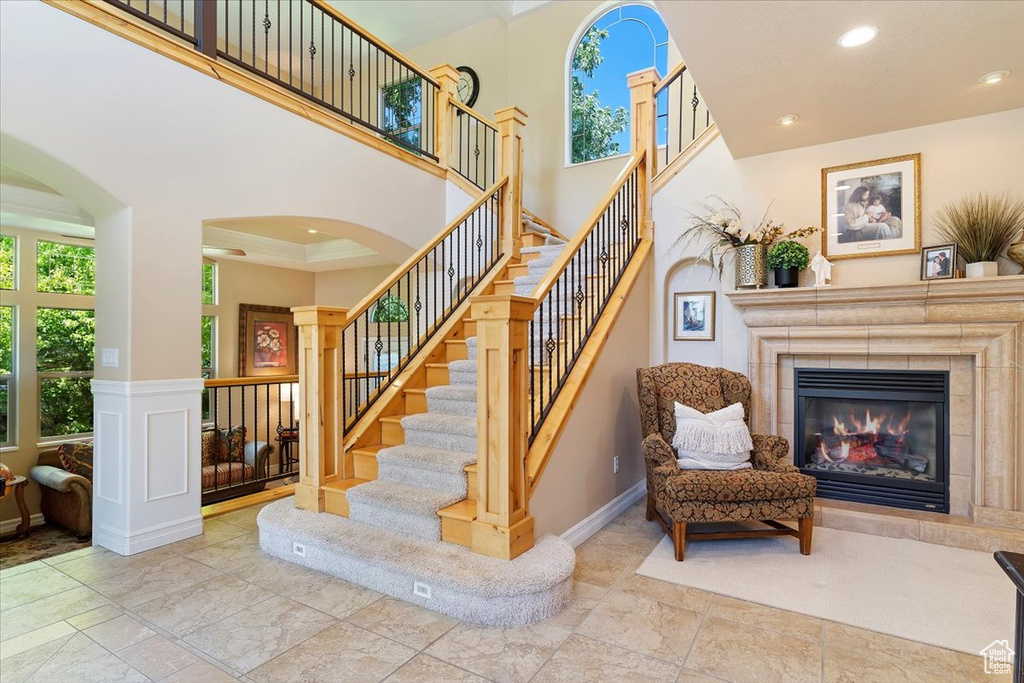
x=875 y=436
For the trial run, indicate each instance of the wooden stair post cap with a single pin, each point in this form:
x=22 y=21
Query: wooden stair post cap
x=648 y=75
x=446 y=69
x=319 y=315
x=512 y=112
x=502 y=307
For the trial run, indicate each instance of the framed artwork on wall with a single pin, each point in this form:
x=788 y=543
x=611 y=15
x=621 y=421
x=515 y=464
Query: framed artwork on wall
x=694 y=316
x=871 y=208
x=939 y=262
x=267 y=341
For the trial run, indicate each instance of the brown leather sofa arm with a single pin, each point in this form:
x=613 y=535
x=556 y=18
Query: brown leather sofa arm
x=769 y=451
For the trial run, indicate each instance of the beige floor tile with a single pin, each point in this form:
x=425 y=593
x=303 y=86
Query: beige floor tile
x=688 y=676
x=636 y=515
x=214 y=531
x=244 y=518
x=974 y=667
x=33 y=615
x=341 y=653
x=842 y=666
x=584 y=598
x=597 y=565
x=236 y=556
x=509 y=655
x=74 y=555
x=642 y=625
x=736 y=652
x=406 y=623
x=20 y=667
x=81 y=659
x=139 y=586
x=628 y=540
x=158 y=657
x=102 y=564
x=202 y=604
x=119 y=633
x=32 y=639
x=581 y=659
x=200 y=672
x=26 y=587
x=256 y=635
x=426 y=669
x=95 y=616
x=768 y=618
x=890 y=649
x=321 y=591
x=21 y=569
x=662 y=591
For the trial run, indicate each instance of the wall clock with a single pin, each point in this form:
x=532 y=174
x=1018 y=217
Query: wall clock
x=468 y=88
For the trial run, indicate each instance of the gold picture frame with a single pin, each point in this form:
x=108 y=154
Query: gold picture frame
x=871 y=213
x=693 y=316
x=268 y=341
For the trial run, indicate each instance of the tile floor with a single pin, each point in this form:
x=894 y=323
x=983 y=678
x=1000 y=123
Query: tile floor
x=214 y=608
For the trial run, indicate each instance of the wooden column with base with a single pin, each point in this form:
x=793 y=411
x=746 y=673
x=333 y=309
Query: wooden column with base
x=503 y=527
x=447 y=77
x=643 y=115
x=511 y=121
x=321 y=450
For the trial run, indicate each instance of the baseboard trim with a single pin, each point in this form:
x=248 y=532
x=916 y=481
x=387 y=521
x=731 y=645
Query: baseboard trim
x=11 y=525
x=146 y=539
x=600 y=519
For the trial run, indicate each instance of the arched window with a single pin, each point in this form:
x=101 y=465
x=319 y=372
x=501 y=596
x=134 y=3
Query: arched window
x=624 y=39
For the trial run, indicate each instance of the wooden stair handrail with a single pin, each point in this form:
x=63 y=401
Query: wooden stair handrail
x=671 y=76
x=567 y=254
x=371 y=298
x=475 y=114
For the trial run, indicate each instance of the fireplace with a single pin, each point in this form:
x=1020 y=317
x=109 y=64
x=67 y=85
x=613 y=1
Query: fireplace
x=875 y=436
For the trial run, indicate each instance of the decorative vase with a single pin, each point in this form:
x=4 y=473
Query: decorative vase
x=787 y=277
x=7 y=476
x=1016 y=253
x=983 y=269
x=751 y=265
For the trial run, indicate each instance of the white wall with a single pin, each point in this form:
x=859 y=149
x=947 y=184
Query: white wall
x=980 y=154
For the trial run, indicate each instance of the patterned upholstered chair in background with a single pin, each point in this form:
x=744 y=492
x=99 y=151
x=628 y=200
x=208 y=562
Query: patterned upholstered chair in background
x=768 y=492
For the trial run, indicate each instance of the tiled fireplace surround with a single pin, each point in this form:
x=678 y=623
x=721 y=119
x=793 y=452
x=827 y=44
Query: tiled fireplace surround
x=972 y=328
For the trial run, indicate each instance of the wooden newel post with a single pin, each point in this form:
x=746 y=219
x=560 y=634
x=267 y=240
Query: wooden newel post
x=503 y=526
x=643 y=114
x=448 y=78
x=511 y=121
x=321 y=451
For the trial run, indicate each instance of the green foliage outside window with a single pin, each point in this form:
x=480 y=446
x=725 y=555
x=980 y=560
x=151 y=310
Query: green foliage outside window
x=6 y=262
x=593 y=126
x=209 y=280
x=64 y=343
x=401 y=111
x=65 y=268
x=6 y=368
x=391 y=309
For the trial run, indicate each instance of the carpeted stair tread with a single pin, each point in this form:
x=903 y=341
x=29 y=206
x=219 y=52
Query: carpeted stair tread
x=543 y=249
x=452 y=392
x=424 y=457
x=462 y=372
x=430 y=422
x=464 y=585
x=402 y=498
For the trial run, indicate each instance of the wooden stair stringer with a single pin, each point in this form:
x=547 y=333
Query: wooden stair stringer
x=551 y=430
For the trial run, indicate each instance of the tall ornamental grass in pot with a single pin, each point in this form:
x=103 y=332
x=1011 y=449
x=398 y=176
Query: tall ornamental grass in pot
x=983 y=227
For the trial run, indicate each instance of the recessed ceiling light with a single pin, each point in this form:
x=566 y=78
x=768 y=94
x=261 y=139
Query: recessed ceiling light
x=788 y=119
x=858 y=36
x=311 y=231
x=994 y=77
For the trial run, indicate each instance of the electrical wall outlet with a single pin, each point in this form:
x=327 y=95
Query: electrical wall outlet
x=299 y=549
x=108 y=358
x=421 y=589
x=615 y=465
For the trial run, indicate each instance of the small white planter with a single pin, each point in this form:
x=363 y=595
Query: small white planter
x=983 y=269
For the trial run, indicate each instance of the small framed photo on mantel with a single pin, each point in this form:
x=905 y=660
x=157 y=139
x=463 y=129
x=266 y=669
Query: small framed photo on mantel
x=694 y=316
x=938 y=263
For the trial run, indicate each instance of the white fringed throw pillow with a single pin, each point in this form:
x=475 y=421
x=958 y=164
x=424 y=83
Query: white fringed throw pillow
x=712 y=441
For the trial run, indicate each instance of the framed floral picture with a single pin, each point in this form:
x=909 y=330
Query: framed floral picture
x=694 y=318
x=267 y=341
x=871 y=208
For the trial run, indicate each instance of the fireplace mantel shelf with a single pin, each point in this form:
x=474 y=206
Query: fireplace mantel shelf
x=995 y=299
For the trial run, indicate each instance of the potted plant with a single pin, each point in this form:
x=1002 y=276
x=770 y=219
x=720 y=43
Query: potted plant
x=983 y=226
x=721 y=231
x=788 y=259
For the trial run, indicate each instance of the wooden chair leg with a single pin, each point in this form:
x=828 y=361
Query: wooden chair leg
x=679 y=540
x=650 y=508
x=806 y=531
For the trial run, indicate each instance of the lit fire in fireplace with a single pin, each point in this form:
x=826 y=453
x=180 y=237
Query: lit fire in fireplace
x=874 y=441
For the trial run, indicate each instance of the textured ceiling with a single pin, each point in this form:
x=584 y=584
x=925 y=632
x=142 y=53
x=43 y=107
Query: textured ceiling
x=755 y=61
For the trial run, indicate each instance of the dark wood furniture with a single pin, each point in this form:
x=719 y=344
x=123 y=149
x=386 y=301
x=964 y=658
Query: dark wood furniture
x=17 y=486
x=1013 y=565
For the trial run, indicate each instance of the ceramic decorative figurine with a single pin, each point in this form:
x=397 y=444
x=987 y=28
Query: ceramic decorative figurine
x=822 y=270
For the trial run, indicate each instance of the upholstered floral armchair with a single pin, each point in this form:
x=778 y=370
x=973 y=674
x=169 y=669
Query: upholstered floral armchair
x=768 y=492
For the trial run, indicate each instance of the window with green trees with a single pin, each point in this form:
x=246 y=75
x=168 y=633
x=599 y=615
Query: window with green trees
x=7 y=274
x=6 y=374
x=401 y=111
x=209 y=283
x=624 y=39
x=65 y=268
x=64 y=366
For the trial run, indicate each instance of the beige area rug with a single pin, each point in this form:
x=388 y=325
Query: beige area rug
x=952 y=598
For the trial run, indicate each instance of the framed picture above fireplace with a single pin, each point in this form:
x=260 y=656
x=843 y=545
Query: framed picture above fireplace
x=871 y=208
x=938 y=263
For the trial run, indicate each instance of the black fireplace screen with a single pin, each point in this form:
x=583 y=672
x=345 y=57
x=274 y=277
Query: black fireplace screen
x=874 y=436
